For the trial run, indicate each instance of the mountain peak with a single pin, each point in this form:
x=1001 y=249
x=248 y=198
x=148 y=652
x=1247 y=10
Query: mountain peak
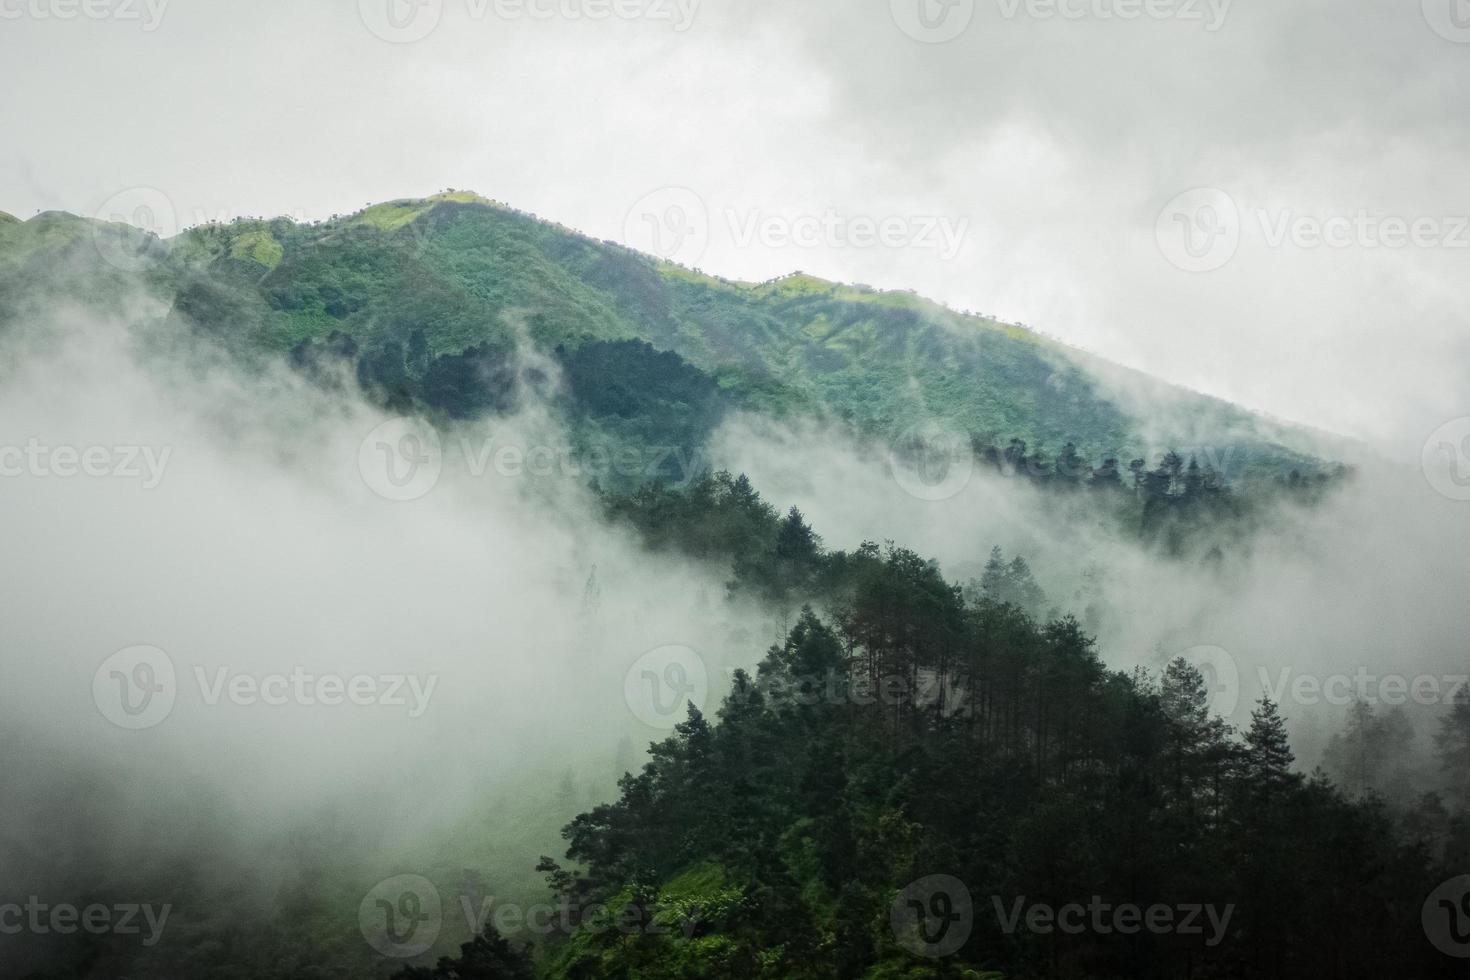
x=390 y=215
x=42 y=217
x=794 y=345
x=462 y=197
x=797 y=282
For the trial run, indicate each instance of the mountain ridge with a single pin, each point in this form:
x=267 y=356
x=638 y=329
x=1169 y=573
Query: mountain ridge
x=459 y=272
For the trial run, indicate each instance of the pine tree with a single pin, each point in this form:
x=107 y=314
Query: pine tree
x=1268 y=750
x=795 y=539
x=1012 y=583
x=993 y=579
x=1197 y=753
x=1024 y=593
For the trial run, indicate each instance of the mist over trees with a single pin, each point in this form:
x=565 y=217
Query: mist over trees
x=934 y=771
x=1005 y=756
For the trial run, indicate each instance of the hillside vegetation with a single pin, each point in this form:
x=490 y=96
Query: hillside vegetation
x=404 y=284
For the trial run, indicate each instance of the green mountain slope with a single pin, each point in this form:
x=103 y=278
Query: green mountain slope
x=410 y=282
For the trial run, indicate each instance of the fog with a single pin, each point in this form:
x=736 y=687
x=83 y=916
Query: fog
x=495 y=615
x=483 y=631
x=1319 y=605
x=1057 y=132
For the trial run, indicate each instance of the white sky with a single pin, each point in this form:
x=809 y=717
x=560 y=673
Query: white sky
x=1051 y=145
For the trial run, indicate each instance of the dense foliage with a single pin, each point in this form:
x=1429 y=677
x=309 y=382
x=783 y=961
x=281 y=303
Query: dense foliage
x=780 y=835
x=921 y=729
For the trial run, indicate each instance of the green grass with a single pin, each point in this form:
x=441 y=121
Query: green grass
x=259 y=247
x=48 y=232
x=393 y=215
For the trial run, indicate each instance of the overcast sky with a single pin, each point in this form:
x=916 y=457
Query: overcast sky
x=1023 y=159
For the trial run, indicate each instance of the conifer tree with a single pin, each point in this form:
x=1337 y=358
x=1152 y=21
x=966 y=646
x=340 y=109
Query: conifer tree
x=1268 y=749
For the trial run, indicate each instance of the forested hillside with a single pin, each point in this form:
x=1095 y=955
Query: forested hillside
x=920 y=781
x=432 y=298
x=924 y=777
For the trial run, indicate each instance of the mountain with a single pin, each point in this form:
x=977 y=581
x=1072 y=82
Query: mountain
x=431 y=297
